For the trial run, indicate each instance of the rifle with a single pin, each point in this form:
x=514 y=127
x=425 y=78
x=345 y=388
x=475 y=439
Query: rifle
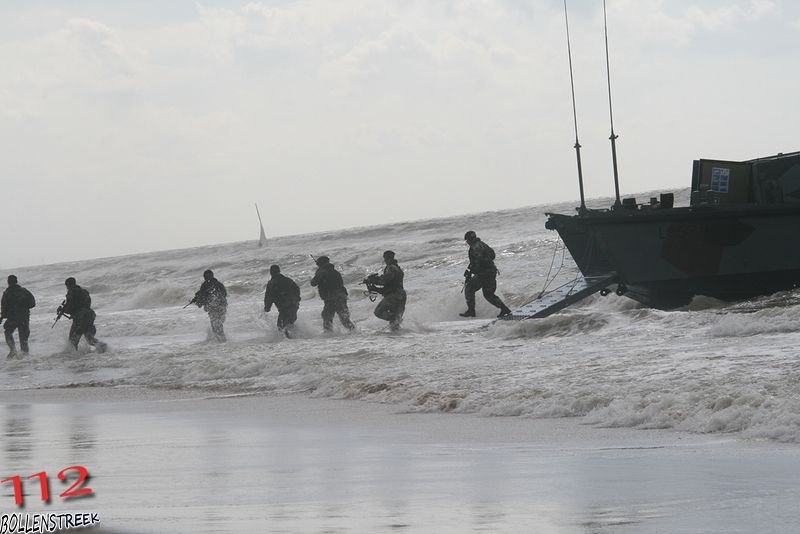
x=372 y=287
x=467 y=276
x=60 y=313
x=194 y=299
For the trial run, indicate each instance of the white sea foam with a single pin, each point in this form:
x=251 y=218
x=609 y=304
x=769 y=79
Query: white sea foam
x=712 y=367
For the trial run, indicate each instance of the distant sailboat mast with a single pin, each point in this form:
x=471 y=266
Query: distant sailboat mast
x=262 y=238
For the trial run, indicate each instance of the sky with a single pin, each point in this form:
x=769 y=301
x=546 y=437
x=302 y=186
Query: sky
x=134 y=126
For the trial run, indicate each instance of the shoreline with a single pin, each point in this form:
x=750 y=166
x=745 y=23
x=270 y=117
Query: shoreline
x=186 y=461
x=311 y=410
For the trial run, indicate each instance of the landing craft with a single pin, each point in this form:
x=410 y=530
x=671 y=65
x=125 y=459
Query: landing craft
x=736 y=240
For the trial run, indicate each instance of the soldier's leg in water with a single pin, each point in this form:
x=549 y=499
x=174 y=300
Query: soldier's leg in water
x=393 y=307
x=9 y=327
x=291 y=315
x=470 y=288
x=399 y=310
x=217 y=321
x=286 y=318
x=489 y=288
x=344 y=314
x=383 y=310
x=86 y=326
x=328 y=310
x=93 y=341
x=75 y=333
x=89 y=329
x=24 y=330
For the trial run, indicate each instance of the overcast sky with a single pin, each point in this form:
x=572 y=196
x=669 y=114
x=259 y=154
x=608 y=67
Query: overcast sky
x=140 y=125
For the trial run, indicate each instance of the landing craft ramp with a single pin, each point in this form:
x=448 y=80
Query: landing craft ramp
x=561 y=297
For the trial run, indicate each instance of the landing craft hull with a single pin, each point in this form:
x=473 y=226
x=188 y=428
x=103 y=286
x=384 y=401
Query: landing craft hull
x=664 y=258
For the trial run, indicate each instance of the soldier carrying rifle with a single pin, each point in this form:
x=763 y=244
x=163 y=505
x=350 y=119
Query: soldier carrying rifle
x=78 y=307
x=389 y=284
x=213 y=298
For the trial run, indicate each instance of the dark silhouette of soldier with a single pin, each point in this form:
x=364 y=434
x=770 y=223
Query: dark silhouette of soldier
x=213 y=298
x=78 y=307
x=285 y=294
x=390 y=285
x=481 y=274
x=16 y=310
x=333 y=294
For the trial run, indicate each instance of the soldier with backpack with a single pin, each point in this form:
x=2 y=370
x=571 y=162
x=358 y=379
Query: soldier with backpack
x=78 y=307
x=16 y=310
x=481 y=274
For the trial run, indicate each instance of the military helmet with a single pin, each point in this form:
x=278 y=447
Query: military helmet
x=470 y=235
x=208 y=274
x=389 y=254
x=274 y=269
x=12 y=279
x=70 y=282
x=323 y=260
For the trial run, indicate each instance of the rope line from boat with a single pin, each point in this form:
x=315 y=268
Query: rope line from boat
x=548 y=278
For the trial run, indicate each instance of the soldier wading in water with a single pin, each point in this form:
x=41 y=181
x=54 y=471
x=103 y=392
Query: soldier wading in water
x=390 y=285
x=333 y=294
x=481 y=274
x=16 y=310
x=284 y=293
x=213 y=298
x=78 y=307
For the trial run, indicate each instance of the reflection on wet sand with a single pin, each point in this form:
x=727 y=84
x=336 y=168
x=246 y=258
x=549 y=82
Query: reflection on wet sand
x=17 y=438
x=39 y=443
x=285 y=465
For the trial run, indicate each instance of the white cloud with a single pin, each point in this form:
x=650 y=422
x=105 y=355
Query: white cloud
x=668 y=22
x=261 y=100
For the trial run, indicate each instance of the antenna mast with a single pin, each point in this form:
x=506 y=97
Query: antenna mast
x=582 y=208
x=614 y=136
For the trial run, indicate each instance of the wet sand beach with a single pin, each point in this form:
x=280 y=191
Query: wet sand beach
x=182 y=461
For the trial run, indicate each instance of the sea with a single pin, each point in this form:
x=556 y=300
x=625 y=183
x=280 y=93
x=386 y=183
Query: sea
x=709 y=368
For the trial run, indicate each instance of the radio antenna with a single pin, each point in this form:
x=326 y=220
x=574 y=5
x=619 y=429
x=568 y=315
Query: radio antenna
x=582 y=208
x=614 y=136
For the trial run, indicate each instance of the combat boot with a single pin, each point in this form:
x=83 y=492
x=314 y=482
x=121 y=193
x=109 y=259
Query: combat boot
x=469 y=313
x=503 y=312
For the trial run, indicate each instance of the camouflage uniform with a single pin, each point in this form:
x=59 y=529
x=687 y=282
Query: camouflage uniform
x=393 y=304
x=333 y=294
x=16 y=310
x=78 y=306
x=213 y=298
x=481 y=274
